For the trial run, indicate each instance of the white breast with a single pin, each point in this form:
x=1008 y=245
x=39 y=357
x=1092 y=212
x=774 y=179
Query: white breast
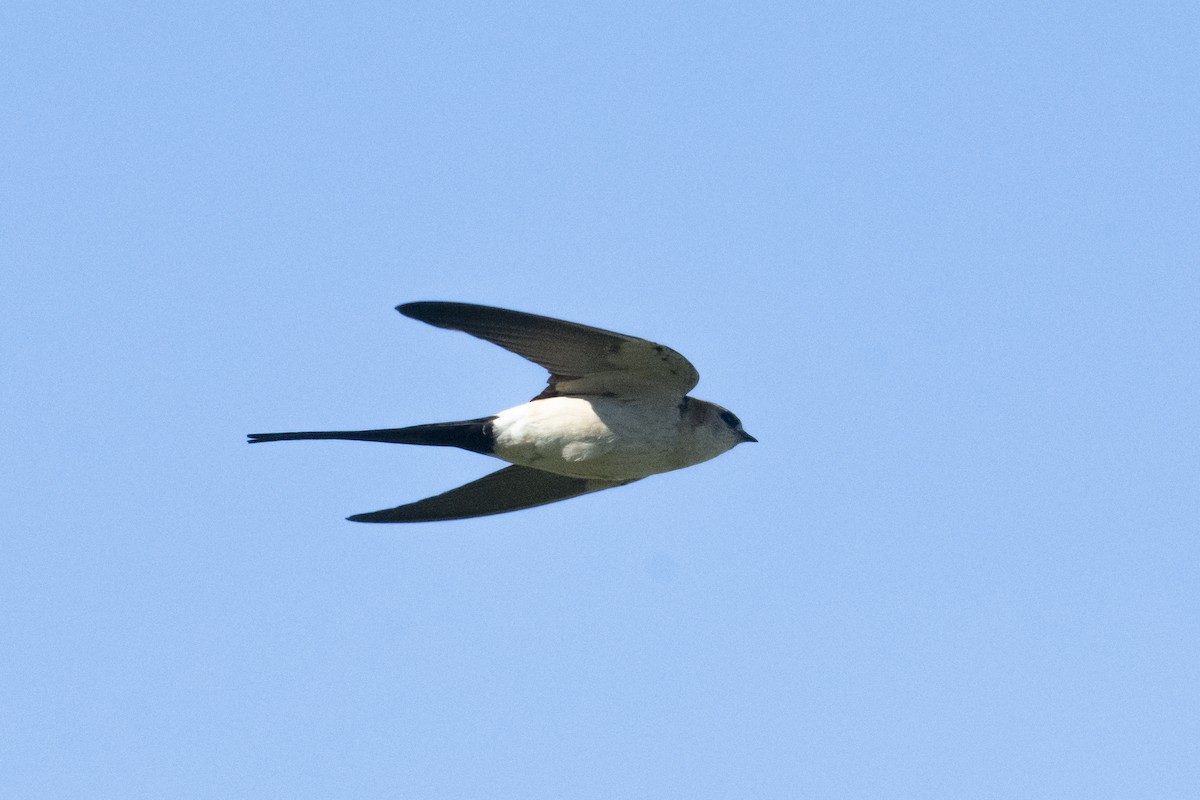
x=602 y=438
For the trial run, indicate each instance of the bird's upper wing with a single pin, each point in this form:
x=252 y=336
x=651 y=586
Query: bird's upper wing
x=510 y=489
x=582 y=360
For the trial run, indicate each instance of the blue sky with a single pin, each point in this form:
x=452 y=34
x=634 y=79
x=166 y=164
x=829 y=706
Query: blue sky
x=942 y=261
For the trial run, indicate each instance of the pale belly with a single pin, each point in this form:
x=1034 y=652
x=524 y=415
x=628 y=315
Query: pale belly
x=595 y=438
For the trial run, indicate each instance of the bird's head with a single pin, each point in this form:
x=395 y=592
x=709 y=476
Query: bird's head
x=718 y=424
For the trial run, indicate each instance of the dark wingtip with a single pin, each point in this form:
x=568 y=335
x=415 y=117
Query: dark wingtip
x=441 y=313
x=374 y=516
x=416 y=310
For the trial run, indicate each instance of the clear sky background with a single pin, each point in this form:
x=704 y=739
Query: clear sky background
x=943 y=261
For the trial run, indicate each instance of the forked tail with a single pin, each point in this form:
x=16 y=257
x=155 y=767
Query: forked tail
x=472 y=434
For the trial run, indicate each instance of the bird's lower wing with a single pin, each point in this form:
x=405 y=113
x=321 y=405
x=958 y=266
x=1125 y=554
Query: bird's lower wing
x=510 y=489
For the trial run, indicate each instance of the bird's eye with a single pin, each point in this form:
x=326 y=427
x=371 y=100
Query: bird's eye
x=730 y=419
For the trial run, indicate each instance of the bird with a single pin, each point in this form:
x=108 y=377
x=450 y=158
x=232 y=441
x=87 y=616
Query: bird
x=615 y=409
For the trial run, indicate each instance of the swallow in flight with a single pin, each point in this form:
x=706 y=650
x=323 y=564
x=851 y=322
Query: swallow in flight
x=615 y=410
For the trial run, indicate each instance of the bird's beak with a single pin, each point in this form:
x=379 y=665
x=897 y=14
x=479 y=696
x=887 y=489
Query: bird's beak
x=747 y=437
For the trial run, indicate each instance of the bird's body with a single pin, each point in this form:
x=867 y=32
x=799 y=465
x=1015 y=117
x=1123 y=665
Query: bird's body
x=615 y=410
x=604 y=438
